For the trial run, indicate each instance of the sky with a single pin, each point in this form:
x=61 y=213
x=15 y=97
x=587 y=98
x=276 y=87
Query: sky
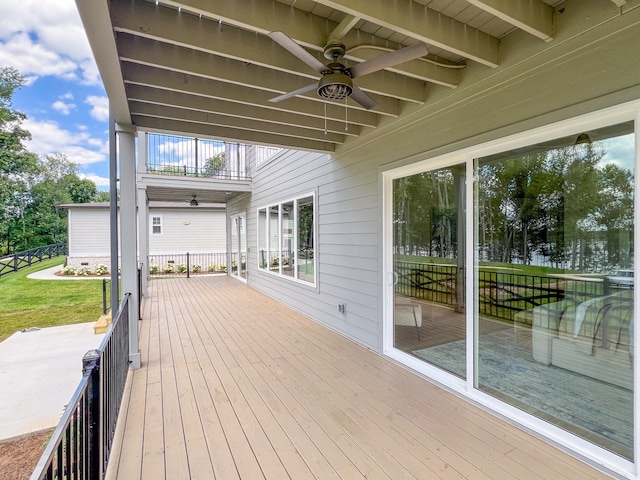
x=64 y=100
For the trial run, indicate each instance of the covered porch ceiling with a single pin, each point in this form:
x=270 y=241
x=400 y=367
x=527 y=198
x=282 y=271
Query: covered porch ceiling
x=211 y=68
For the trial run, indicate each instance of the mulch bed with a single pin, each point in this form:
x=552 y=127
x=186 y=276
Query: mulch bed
x=19 y=457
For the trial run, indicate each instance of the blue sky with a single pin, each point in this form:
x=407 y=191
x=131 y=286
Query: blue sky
x=64 y=101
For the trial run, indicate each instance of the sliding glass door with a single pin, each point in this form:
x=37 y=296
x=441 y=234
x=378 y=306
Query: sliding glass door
x=555 y=284
x=428 y=267
x=239 y=246
x=542 y=318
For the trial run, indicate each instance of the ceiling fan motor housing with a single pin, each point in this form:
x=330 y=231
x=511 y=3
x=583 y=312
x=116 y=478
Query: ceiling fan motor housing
x=335 y=84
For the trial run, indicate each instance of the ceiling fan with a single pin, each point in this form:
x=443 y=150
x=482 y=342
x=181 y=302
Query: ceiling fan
x=336 y=80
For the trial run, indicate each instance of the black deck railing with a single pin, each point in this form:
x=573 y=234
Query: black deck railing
x=187 y=264
x=81 y=443
x=14 y=262
x=502 y=294
x=199 y=157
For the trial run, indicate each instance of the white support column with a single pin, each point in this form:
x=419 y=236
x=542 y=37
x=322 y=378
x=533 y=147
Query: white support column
x=143 y=238
x=143 y=213
x=128 y=235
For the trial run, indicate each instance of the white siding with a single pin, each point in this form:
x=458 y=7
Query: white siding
x=570 y=76
x=183 y=230
x=88 y=232
x=188 y=230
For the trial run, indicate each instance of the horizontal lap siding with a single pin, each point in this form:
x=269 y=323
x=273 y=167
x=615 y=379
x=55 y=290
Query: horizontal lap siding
x=88 y=234
x=193 y=231
x=347 y=240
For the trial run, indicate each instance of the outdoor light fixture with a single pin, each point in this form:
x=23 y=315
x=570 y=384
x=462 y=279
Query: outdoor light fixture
x=193 y=202
x=582 y=138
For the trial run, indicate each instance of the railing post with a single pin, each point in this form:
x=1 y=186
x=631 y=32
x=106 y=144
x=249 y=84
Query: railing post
x=104 y=296
x=91 y=368
x=188 y=266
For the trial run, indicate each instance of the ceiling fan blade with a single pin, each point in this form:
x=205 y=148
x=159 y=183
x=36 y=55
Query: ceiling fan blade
x=299 y=91
x=362 y=98
x=389 y=60
x=289 y=44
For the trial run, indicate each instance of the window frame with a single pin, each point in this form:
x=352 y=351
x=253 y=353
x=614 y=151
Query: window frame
x=152 y=225
x=264 y=237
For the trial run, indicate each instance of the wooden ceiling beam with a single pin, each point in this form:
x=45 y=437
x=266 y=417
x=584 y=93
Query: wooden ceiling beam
x=177 y=127
x=424 y=24
x=532 y=16
x=180 y=82
x=154 y=96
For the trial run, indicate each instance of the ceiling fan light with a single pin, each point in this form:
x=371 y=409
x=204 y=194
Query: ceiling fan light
x=335 y=86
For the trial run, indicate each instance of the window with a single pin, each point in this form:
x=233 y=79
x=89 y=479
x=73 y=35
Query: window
x=286 y=239
x=156 y=225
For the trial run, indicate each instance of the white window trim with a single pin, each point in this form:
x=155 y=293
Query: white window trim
x=279 y=274
x=151 y=225
x=588 y=451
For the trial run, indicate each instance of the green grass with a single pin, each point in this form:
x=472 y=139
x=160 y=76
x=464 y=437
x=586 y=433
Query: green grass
x=28 y=303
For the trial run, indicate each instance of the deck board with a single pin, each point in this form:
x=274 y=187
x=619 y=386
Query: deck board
x=236 y=385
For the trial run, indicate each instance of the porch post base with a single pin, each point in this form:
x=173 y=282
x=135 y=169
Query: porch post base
x=134 y=361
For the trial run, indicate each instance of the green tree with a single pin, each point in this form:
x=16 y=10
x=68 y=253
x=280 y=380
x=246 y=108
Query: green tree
x=213 y=164
x=17 y=165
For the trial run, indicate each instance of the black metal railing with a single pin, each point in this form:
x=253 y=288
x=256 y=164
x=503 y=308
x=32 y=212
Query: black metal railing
x=14 y=262
x=187 y=264
x=502 y=294
x=198 y=157
x=81 y=443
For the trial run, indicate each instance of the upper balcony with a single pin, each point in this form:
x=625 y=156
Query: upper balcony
x=176 y=168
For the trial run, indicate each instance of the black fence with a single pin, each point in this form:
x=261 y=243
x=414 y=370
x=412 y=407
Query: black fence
x=502 y=294
x=81 y=443
x=187 y=264
x=13 y=263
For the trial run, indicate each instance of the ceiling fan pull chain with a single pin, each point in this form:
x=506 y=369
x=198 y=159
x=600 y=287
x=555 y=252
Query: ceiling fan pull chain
x=346 y=114
x=325 y=118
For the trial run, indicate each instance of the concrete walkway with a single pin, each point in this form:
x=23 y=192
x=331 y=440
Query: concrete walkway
x=39 y=371
x=50 y=274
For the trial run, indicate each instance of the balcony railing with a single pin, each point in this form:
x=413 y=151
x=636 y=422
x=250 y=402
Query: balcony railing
x=81 y=443
x=196 y=157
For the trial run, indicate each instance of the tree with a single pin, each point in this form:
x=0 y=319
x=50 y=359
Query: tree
x=213 y=164
x=17 y=165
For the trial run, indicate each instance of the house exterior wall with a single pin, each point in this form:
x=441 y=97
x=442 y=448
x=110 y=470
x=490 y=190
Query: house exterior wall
x=183 y=230
x=188 y=230
x=586 y=68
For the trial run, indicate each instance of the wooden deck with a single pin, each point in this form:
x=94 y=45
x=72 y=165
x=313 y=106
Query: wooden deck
x=235 y=385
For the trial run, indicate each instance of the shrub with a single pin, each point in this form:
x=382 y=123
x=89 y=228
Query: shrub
x=168 y=268
x=223 y=268
x=196 y=268
x=102 y=269
x=69 y=270
x=182 y=268
x=83 y=271
x=153 y=269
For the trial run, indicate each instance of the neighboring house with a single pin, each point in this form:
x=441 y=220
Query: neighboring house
x=493 y=152
x=174 y=229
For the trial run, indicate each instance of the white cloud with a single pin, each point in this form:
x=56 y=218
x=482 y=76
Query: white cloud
x=46 y=37
x=100 y=110
x=63 y=108
x=48 y=137
x=99 y=181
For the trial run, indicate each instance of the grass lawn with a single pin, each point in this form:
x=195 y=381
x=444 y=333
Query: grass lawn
x=28 y=303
